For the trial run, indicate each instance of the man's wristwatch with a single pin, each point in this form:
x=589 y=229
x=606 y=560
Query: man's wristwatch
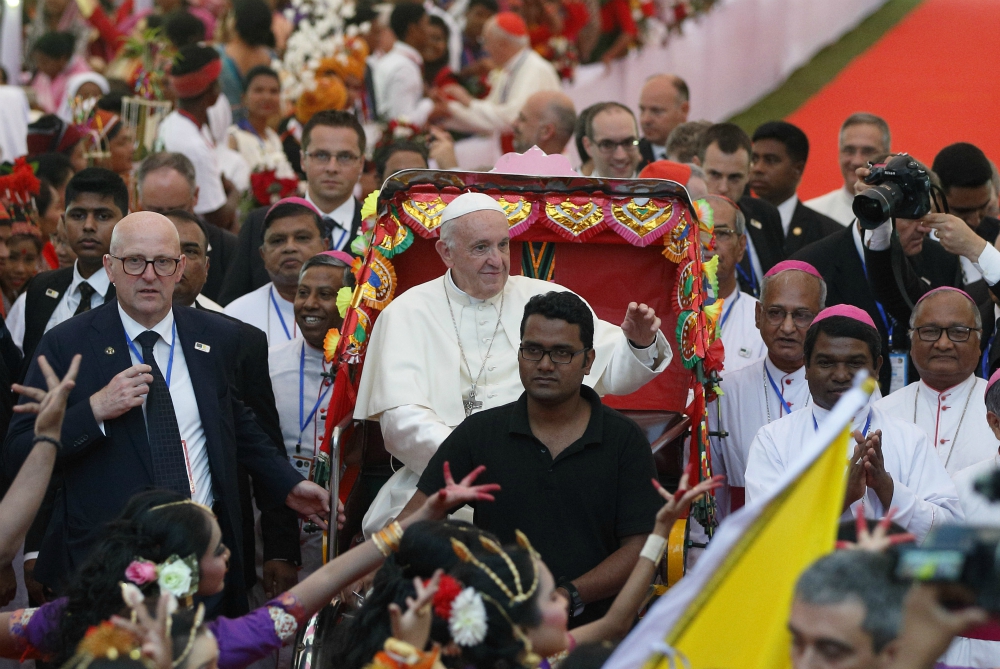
x=575 y=601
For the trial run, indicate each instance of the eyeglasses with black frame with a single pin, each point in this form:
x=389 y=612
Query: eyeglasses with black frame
x=956 y=333
x=802 y=318
x=559 y=356
x=610 y=145
x=136 y=265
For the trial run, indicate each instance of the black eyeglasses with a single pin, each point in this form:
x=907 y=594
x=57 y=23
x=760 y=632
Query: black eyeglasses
x=610 y=145
x=344 y=158
x=956 y=333
x=558 y=356
x=136 y=265
x=802 y=318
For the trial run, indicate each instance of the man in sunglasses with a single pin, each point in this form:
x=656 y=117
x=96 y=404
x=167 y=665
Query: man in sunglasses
x=612 y=140
x=948 y=402
x=574 y=474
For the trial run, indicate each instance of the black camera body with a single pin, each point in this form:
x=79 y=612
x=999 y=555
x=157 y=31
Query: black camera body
x=900 y=188
x=966 y=556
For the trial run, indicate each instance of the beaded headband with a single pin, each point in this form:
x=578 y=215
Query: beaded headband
x=522 y=595
x=201 y=506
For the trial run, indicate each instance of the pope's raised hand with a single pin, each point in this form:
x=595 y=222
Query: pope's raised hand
x=640 y=325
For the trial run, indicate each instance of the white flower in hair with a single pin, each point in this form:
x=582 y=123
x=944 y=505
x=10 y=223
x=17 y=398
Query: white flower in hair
x=175 y=577
x=467 y=623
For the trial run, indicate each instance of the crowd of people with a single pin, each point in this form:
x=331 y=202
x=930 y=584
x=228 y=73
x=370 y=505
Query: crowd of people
x=174 y=525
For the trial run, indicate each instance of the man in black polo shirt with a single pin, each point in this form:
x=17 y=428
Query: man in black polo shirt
x=574 y=474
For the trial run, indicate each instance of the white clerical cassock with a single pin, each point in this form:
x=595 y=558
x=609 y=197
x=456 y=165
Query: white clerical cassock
x=923 y=493
x=301 y=395
x=954 y=420
x=266 y=310
x=414 y=381
x=738 y=330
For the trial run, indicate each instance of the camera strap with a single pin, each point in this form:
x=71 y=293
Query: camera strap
x=897 y=259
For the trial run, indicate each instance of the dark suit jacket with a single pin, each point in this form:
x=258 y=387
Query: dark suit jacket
x=38 y=307
x=247 y=272
x=836 y=257
x=10 y=365
x=646 y=151
x=280 y=525
x=102 y=471
x=764 y=229
x=811 y=225
x=223 y=247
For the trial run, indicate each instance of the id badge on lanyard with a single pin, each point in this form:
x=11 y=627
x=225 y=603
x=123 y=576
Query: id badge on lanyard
x=899 y=362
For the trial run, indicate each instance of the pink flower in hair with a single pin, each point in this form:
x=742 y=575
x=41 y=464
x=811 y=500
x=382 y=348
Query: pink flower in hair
x=141 y=572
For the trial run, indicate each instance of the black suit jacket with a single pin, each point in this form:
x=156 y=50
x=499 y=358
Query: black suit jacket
x=10 y=365
x=646 y=151
x=836 y=257
x=247 y=273
x=39 y=305
x=764 y=229
x=223 y=248
x=101 y=471
x=808 y=226
x=280 y=525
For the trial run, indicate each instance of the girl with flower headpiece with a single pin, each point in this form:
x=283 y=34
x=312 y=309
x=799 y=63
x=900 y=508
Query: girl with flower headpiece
x=165 y=543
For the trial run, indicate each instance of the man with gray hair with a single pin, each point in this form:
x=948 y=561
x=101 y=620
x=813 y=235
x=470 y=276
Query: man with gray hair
x=547 y=121
x=863 y=136
x=791 y=295
x=447 y=348
x=166 y=182
x=847 y=612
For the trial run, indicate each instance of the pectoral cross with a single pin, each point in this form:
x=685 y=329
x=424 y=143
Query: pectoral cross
x=471 y=404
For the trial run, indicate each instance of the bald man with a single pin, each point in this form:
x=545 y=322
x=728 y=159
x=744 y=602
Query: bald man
x=547 y=121
x=152 y=407
x=664 y=104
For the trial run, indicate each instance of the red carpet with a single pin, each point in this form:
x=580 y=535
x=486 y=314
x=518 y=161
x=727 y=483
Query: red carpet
x=933 y=78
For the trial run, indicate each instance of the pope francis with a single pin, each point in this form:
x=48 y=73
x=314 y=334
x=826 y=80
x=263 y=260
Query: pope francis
x=447 y=348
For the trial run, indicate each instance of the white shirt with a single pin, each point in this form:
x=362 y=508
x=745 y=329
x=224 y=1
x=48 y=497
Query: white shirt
x=836 y=204
x=68 y=302
x=659 y=152
x=179 y=134
x=183 y=398
x=206 y=303
x=510 y=87
x=987 y=265
x=748 y=403
x=399 y=85
x=953 y=420
x=266 y=310
x=923 y=494
x=787 y=209
x=342 y=218
x=739 y=332
x=300 y=389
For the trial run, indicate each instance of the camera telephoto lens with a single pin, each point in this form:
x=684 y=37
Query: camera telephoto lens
x=877 y=204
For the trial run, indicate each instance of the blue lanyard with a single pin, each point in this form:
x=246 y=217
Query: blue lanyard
x=341 y=236
x=281 y=319
x=887 y=321
x=749 y=278
x=777 y=391
x=725 y=316
x=303 y=421
x=868 y=423
x=170 y=363
x=984 y=366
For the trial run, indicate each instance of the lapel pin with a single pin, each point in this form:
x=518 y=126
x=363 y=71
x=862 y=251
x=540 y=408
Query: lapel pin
x=202 y=347
x=109 y=351
x=49 y=292
x=757 y=224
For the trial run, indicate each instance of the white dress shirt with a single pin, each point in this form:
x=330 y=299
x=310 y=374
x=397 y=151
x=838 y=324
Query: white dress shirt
x=68 y=302
x=266 y=310
x=923 y=493
x=183 y=398
x=787 y=209
x=342 y=218
x=739 y=332
x=179 y=134
x=296 y=370
x=399 y=85
x=954 y=420
x=837 y=204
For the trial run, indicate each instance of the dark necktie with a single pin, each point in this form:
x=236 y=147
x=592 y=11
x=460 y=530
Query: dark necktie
x=169 y=465
x=86 y=292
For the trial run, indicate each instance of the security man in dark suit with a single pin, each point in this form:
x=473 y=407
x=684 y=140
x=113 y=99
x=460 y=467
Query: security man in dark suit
x=153 y=407
x=777 y=162
x=333 y=151
x=724 y=154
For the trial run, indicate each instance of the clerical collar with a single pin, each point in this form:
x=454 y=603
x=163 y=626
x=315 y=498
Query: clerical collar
x=464 y=298
x=794 y=377
x=948 y=393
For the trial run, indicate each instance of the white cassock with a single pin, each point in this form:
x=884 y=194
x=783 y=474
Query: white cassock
x=414 y=381
x=749 y=402
x=954 y=420
x=739 y=332
x=266 y=310
x=837 y=204
x=923 y=493
x=301 y=394
x=965 y=652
